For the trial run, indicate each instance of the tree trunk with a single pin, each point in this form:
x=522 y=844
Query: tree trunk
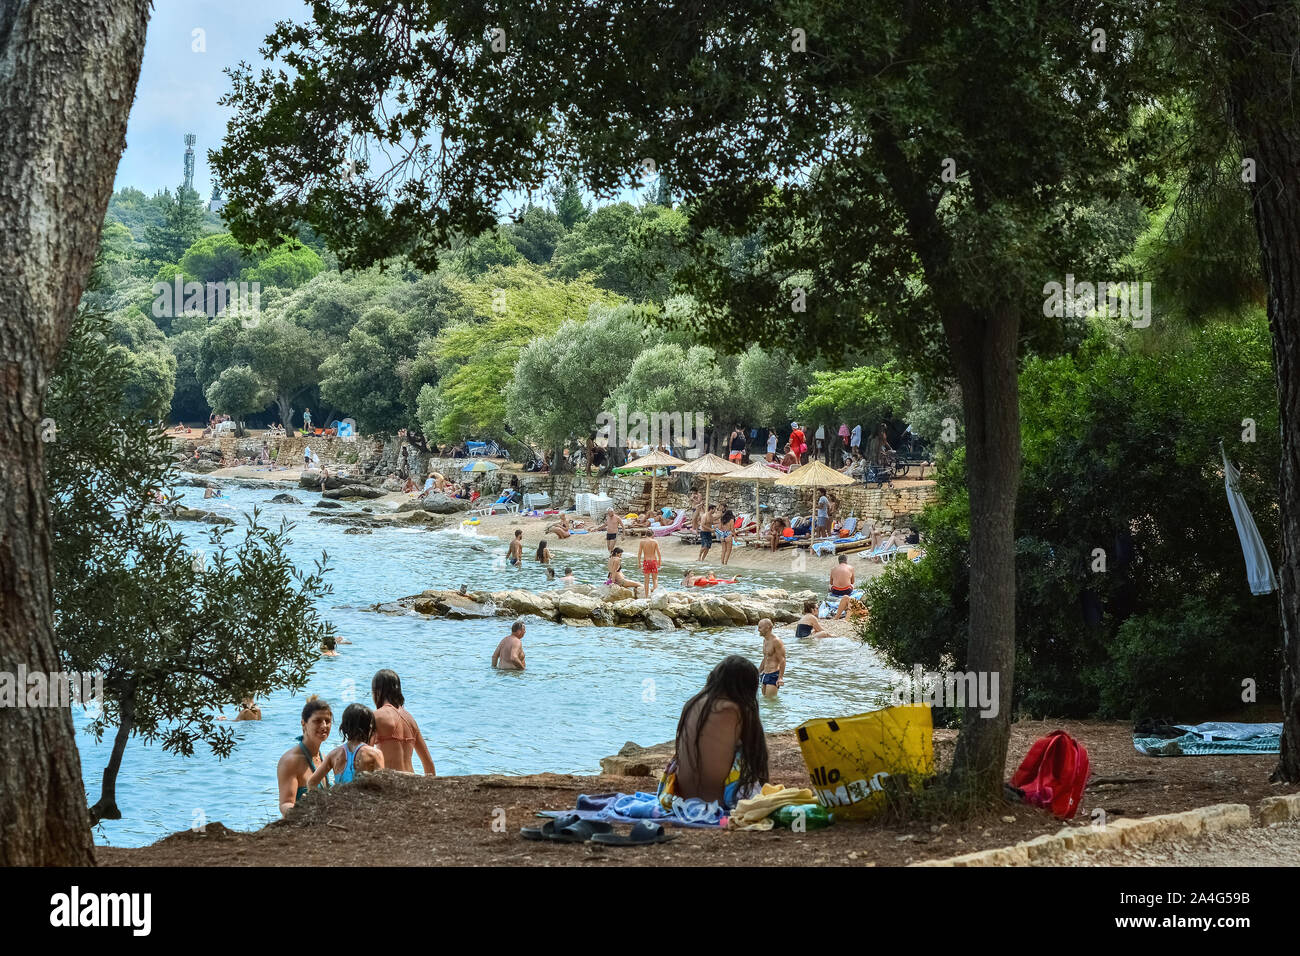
x=984 y=355
x=105 y=807
x=1263 y=42
x=284 y=407
x=68 y=70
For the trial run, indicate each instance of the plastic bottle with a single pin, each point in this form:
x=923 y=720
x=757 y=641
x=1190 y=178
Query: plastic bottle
x=813 y=816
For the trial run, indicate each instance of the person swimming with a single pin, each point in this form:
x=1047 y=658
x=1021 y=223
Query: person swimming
x=356 y=755
x=298 y=763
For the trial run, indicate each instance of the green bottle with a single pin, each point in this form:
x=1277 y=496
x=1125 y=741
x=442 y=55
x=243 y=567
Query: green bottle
x=802 y=816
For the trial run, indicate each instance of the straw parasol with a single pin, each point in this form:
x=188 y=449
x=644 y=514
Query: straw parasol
x=656 y=459
x=756 y=473
x=814 y=475
x=709 y=466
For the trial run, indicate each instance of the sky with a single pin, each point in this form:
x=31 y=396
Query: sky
x=182 y=78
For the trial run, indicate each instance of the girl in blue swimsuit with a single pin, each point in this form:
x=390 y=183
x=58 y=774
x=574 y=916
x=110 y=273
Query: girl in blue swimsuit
x=356 y=755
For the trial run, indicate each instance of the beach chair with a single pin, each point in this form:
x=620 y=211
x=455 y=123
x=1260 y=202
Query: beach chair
x=476 y=448
x=678 y=521
x=536 y=501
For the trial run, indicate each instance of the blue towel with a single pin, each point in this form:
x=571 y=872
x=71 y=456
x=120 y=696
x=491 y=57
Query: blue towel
x=1214 y=737
x=632 y=807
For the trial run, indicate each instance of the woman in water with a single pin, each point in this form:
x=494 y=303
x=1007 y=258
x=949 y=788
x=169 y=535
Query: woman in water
x=721 y=751
x=810 y=625
x=543 y=555
x=396 y=732
x=356 y=756
x=300 y=762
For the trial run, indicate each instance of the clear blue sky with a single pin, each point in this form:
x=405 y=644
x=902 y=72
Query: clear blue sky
x=179 y=87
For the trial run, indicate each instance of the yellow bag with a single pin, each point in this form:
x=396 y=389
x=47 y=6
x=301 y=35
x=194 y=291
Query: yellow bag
x=849 y=757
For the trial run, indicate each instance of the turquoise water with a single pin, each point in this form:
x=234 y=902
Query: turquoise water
x=586 y=692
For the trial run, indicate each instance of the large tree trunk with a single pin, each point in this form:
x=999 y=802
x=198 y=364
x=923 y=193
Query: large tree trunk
x=1263 y=44
x=984 y=356
x=68 y=70
x=284 y=407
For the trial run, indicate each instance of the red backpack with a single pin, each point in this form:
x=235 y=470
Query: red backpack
x=1054 y=773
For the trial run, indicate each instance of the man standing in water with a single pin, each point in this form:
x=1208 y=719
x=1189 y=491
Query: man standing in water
x=842 y=578
x=771 y=673
x=509 y=655
x=515 y=554
x=651 y=559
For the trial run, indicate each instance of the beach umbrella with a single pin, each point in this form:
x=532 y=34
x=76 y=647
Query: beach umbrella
x=710 y=466
x=814 y=475
x=756 y=472
x=481 y=464
x=1259 y=567
x=656 y=459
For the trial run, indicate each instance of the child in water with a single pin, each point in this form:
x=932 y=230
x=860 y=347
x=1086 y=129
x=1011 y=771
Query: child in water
x=356 y=755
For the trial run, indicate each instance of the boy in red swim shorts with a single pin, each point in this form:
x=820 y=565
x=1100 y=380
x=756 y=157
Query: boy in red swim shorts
x=651 y=559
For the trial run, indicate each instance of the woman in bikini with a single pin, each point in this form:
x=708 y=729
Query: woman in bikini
x=396 y=732
x=721 y=751
x=299 y=762
x=810 y=625
x=726 y=534
x=560 y=528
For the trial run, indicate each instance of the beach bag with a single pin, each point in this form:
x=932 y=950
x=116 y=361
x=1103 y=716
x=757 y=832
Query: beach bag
x=1054 y=773
x=850 y=758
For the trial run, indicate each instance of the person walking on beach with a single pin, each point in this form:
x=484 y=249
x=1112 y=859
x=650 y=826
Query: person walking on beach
x=509 y=655
x=612 y=525
x=651 y=559
x=298 y=763
x=797 y=443
x=727 y=533
x=842 y=579
x=823 y=514
x=396 y=732
x=356 y=755
x=515 y=553
x=306 y=420
x=706 y=532
x=771 y=673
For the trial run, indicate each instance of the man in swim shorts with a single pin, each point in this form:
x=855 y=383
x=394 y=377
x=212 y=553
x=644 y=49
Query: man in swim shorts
x=651 y=559
x=771 y=673
x=706 y=531
x=509 y=655
x=515 y=553
x=842 y=578
x=612 y=525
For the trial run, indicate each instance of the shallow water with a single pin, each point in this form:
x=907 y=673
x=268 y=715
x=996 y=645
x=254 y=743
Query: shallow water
x=586 y=692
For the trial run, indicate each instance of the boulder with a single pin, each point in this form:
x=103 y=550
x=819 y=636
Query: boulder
x=352 y=491
x=442 y=505
x=391 y=485
x=424 y=518
x=525 y=602
x=771 y=594
x=734 y=612
x=637 y=761
x=284 y=500
x=323 y=503
x=194 y=514
x=426 y=606
x=630 y=610
x=612 y=592
x=604 y=616
x=658 y=621
x=354 y=521
x=572 y=604
x=358 y=531
x=201 y=467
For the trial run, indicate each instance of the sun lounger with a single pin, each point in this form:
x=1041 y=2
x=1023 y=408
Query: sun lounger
x=537 y=500
x=670 y=529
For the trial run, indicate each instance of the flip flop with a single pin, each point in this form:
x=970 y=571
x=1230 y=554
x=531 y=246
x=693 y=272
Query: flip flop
x=569 y=828
x=642 y=834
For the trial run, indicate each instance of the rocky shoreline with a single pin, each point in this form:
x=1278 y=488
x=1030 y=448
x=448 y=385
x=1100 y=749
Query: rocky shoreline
x=609 y=606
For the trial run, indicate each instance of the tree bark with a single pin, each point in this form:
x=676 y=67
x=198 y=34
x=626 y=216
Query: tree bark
x=68 y=70
x=105 y=807
x=984 y=356
x=1263 y=43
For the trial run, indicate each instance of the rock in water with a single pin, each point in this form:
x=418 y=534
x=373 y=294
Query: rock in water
x=353 y=491
x=658 y=621
x=285 y=500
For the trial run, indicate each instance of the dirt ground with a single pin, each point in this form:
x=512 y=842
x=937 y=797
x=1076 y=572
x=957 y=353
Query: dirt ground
x=395 y=819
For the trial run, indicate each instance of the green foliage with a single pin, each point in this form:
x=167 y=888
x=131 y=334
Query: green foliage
x=1120 y=454
x=287 y=266
x=217 y=258
x=180 y=224
x=486 y=252
x=862 y=396
x=770 y=383
x=174 y=642
x=237 y=392
x=567 y=197
x=536 y=233
x=629 y=251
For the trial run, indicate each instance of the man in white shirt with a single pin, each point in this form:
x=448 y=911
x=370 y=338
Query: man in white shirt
x=771 y=444
x=855 y=440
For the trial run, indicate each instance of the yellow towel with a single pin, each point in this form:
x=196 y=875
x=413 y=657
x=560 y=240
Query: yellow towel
x=752 y=814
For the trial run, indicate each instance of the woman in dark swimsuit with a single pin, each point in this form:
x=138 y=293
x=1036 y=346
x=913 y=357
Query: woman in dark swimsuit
x=810 y=624
x=300 y=761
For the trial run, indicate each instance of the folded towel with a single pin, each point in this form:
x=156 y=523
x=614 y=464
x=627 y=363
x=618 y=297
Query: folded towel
x=753 y=814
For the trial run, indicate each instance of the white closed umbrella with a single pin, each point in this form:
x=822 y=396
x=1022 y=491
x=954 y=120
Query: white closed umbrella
x=1259 y=567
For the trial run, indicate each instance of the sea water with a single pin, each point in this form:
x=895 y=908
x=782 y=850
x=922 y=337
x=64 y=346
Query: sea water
x=586 y=692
